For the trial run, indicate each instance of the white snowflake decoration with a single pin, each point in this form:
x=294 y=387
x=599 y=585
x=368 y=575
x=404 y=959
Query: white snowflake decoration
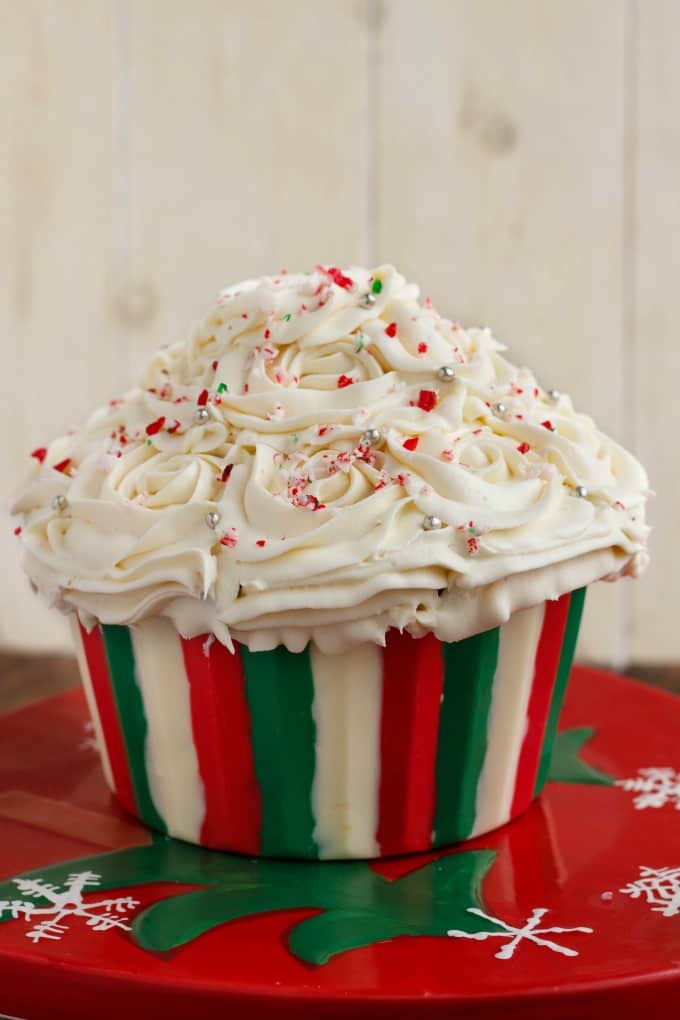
x=65 y=903
x=655 y=787
x=89 y=741
x=516 y=935
x=660 y=887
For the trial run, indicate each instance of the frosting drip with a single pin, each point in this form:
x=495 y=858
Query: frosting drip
x=357 y=485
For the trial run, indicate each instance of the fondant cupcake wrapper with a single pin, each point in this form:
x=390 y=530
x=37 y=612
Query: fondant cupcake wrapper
x=373 y=752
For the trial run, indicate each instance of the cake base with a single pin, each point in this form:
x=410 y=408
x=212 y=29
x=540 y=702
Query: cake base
x=572 y=909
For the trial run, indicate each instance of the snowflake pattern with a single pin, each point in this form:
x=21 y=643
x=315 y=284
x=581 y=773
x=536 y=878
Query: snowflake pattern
x=65 y=903
x=514 y=935
x=660 y=887
x=654 y=787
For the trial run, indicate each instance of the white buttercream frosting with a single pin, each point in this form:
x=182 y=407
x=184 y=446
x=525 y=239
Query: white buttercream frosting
x=321 y=533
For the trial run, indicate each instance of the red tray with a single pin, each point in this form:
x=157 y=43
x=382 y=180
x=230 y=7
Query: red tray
x=97 y=917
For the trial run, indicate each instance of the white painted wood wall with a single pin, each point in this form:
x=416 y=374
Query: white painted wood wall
x=520 y=159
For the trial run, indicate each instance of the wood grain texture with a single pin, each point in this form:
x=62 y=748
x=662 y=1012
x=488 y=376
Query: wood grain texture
x=501 y=187
x=655 y=354
x=520 y=159
x=60 y=348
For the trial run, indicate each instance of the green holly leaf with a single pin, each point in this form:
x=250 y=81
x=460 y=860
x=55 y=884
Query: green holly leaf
x=358 y=907
x=567 y=766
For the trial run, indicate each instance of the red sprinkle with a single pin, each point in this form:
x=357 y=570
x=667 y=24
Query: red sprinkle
x=63 y=465
x=214 y=366
x=338 y=277
x=229 y=540
x=40 y=454
x=224 y=477
x=267 y=334
x=391 y=330
x=427 y=400
x=17 y=530
x=412 y=443
x=345 y=380
x=175 y=425
x=422 y=348
x=548 y=425
x=155 y=426
x=523 y=447
x=323 y=429
x=261 y=542
x=202 y=398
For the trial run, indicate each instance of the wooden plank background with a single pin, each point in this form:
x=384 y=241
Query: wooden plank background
x=520 y=160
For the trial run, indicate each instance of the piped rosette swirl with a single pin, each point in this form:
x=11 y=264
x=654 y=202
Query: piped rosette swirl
x=327 y=458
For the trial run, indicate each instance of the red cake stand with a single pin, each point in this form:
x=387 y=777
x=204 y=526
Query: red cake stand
x=571 y=911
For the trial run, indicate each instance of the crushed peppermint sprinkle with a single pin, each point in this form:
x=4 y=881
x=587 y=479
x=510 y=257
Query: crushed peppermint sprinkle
x=261 y=542
x=224 y=477
x=202 y=398
x=619 y=505
x=63 y=465
x=337 y=276
x=427 y=400
x=472 y=545
x=323 y=429
x=173 y=428
x=155 y=426
x=422 y=348
x=345 y=380
x=547 y=424
x=523 y=448
x=411 y=443
x=39 y=454
x=229 y=538
x=448 y=455
x=391 y=330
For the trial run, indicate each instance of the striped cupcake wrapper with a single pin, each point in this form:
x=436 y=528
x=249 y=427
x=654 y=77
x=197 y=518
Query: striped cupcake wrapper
x=374 y=752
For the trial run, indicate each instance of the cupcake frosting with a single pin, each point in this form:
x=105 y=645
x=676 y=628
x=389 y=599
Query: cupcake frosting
x=325 y=458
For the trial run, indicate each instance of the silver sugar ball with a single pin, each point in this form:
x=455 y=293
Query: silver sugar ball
x=499 y=408
x=431 y=523
x=201 y=415
x=554 y=395
x=371 y=437
x=581 y=491
x=212 y=519
x=367 y=300
x=59 y=503
x=446 y=373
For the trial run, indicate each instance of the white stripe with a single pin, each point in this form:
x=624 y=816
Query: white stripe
x=171 y=760
x=507 y=717
x=346 y=709
x=91 y=701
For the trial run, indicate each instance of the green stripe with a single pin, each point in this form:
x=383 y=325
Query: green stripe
x=131 y=716
x=566 y=658
x=469 y=670
x=280 y=693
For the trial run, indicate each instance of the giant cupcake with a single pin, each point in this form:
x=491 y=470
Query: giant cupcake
x=325 y=566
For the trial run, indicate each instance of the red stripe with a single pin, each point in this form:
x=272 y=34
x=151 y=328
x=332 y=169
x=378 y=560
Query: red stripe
x=413 y=679
x=545 y=671
x=98 y=667
x=221 y=724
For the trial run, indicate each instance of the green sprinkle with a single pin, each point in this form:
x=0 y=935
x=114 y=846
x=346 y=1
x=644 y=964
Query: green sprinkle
x=377 y=286
x=288 y=317
x=148 y=442
x=295 y=437
x=223 y=388
x=360 y=344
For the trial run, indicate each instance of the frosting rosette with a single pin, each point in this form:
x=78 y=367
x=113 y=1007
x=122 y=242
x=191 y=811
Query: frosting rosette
x=324 y=459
